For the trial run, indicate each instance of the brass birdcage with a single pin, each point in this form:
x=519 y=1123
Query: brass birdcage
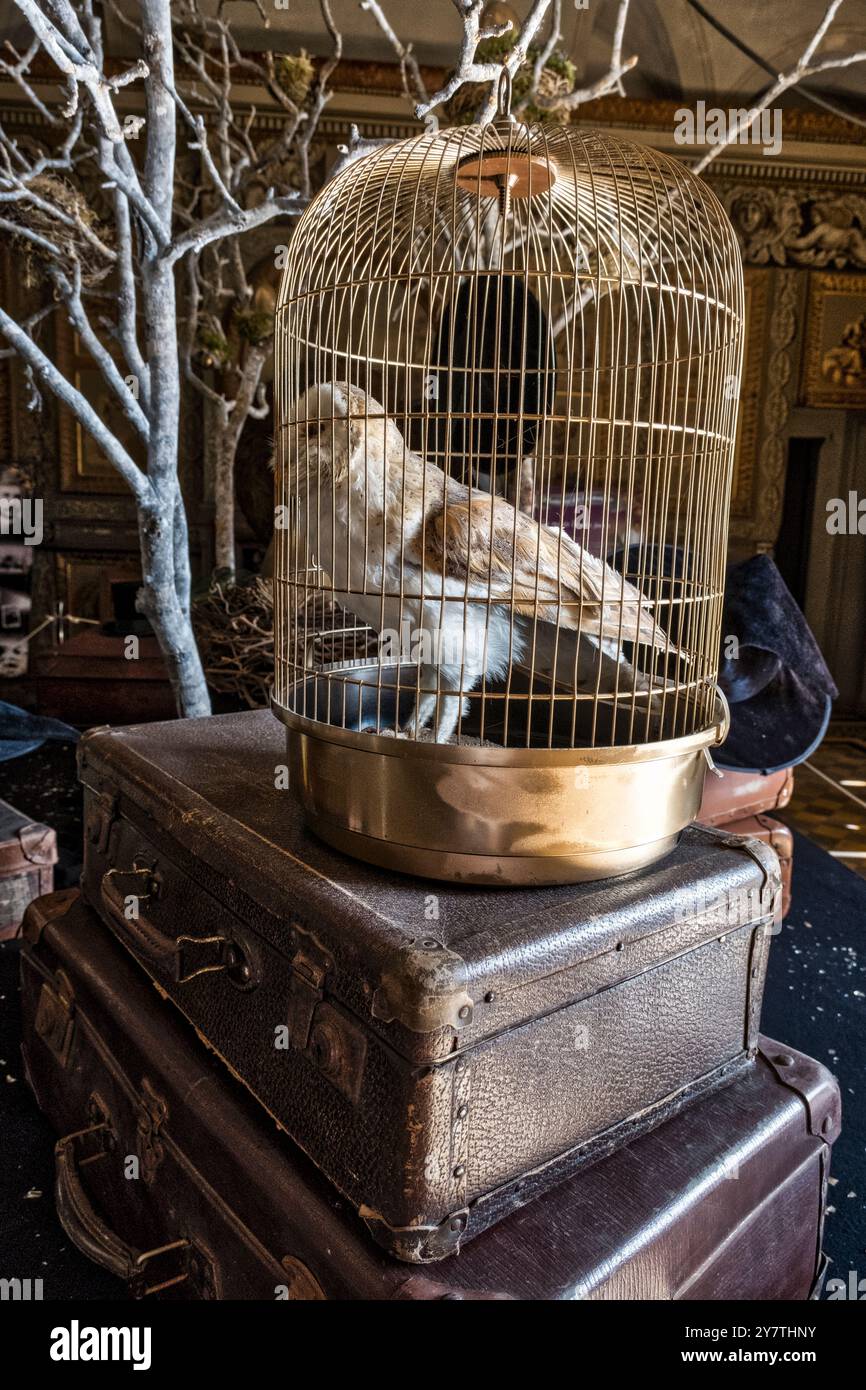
x=508 y=364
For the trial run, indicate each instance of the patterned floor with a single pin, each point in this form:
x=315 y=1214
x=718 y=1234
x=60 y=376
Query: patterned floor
x=829 y=801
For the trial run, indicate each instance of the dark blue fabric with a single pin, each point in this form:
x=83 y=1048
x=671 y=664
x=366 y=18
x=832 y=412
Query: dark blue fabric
x=814 y=1001
x=21 y=731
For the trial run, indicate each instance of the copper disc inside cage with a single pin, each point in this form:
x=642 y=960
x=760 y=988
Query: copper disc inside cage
x=522 y=175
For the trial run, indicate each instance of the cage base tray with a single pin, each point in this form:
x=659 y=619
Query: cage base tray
x=492 y=871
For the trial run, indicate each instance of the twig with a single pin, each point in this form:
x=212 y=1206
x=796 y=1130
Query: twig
x=803 y=68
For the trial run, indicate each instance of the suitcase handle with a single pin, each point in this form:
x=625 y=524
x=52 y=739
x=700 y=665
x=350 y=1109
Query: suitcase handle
x=137 y=928
x=77 y=1217
x=95 y=1238
x=168 y=956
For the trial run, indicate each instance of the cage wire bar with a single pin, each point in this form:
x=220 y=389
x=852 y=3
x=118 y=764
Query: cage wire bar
x=508 y=363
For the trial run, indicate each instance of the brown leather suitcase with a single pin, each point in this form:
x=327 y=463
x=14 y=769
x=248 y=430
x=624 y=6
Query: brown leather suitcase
x=781 y=839
x=733 y=796
x=170 y=1175
x=739 y=801
x=28 y=853
x=442 y=1054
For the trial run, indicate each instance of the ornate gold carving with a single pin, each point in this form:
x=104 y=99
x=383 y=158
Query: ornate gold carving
x=834 y=360
x=761 y=459
x=773 y=454
x=745 y=447
x=784 y=226
x=845 y=364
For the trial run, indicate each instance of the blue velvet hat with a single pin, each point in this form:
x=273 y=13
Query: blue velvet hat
x=775 y=679
x=778 y=685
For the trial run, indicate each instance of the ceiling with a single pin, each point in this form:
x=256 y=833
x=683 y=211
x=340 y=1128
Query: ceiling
x=679 y=52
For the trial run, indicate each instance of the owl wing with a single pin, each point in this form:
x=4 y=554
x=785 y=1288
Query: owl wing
x=539 y=572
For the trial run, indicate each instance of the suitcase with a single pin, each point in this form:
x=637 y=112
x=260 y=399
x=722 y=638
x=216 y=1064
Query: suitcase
x=739 y=800
x=733 y=796
x=171 y=1176
x=781 y=838
x=28 y=853
x=443 y=1054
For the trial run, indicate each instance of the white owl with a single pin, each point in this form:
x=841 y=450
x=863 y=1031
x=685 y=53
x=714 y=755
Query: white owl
x=401 y=541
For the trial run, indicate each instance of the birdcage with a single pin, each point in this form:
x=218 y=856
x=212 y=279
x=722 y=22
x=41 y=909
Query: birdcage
x=508 y=365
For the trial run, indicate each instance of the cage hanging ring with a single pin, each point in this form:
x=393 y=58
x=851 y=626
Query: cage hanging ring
x=503 y=93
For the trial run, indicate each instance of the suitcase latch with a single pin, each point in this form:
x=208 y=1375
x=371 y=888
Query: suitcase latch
x=101 y=812
x=309 y=969
x=335 y=1045
x=54 y=1016
x=152 y=1111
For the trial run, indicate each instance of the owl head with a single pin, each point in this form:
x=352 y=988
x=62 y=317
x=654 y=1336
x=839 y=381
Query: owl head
x=338 y=432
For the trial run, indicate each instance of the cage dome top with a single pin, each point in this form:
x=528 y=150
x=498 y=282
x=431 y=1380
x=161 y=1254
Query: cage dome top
x=577 y=202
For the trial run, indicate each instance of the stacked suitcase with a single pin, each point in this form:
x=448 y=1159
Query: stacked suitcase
x=741 y=801
x=563 y=1086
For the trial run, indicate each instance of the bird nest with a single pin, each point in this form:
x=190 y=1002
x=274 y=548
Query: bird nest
x=74 y=242
x=234 y=628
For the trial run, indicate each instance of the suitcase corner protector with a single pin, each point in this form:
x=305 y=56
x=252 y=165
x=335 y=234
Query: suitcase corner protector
x=418 y=1244
x=809 y=1079
x=46 y=909
x=424 y=990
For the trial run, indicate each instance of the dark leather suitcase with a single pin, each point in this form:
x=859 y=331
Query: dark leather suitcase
x=442 y=1054
x=171 y=1176
x=28 y=853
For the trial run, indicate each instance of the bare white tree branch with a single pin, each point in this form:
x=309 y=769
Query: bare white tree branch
x=80 y=407
x=804 y=68
x=66 y=44
x=70 y=293
x=611 y=81
x=413 y=83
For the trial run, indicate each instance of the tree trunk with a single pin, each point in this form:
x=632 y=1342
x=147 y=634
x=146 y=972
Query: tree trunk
x=165 y=594
x=224 y=493
x=231 y=428
x=170 y=620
